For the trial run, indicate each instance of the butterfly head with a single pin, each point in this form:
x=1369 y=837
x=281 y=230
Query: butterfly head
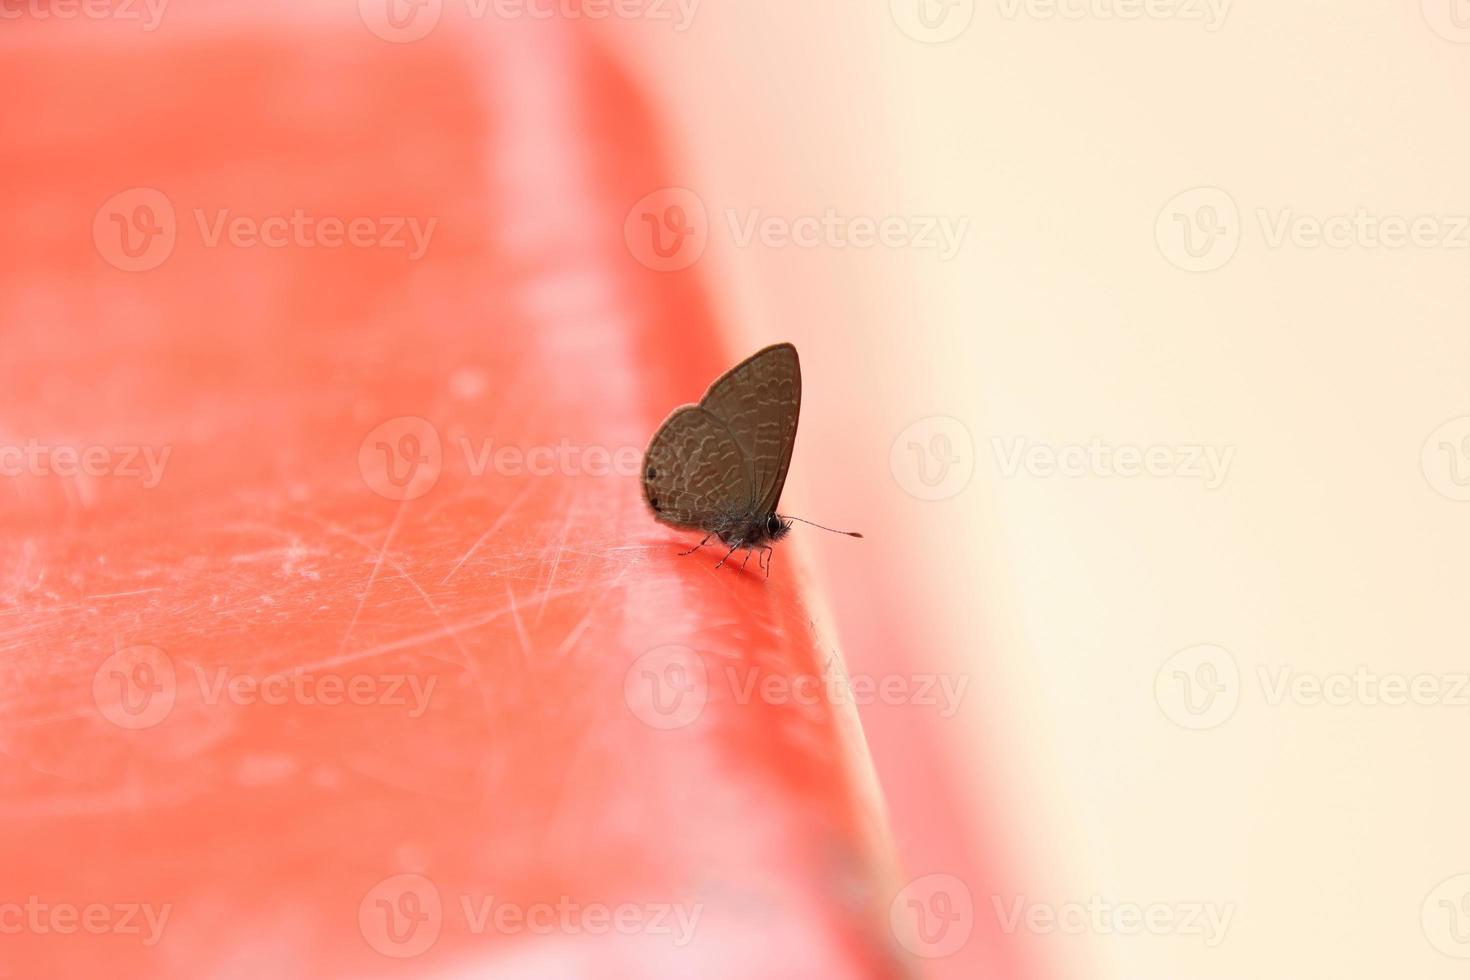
x=776 y=527
x=755 y=532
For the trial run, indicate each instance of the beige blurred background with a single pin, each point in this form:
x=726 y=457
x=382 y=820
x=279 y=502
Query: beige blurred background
x=1093 y=299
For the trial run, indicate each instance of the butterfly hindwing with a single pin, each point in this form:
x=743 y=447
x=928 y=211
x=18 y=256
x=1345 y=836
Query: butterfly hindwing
x=694 y=473
x=759 y=401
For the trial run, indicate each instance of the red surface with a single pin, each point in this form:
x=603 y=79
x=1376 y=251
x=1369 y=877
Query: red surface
x=531 y=776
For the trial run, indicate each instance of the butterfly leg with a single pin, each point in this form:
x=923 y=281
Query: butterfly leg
x=767 y=552
x=728 y=554
x=747 y=560
x=698 y=546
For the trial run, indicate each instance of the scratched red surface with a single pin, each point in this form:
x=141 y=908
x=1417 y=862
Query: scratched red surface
x=171 y=739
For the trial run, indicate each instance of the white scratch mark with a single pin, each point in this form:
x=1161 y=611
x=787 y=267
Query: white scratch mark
x=561 y=546
x=515 y=616
x=469 y=663
x=576 y=632
x=494 y=526
x=119 y=595
x=387 y=539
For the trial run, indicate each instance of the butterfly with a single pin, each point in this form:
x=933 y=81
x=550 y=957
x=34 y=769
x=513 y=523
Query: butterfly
x=719 y=466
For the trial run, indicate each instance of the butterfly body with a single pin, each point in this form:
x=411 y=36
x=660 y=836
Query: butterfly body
x=754 y=534
x=719 y=466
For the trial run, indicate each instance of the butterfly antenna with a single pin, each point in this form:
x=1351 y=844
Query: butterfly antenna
x=850 y=534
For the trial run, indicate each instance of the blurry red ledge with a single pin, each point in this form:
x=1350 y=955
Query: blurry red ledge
x=564 y=743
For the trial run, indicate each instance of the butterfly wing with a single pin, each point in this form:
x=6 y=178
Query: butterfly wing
x=759 y=401
x=694 y=472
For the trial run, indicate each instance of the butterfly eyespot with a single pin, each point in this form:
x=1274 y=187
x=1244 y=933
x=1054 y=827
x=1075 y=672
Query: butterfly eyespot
x=652 y=474
x=653 y=502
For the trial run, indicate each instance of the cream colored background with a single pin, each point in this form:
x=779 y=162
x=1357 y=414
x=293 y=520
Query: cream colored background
x=1062 y=318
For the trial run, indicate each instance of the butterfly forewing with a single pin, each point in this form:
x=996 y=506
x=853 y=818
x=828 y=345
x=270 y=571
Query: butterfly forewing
x=694 y=473
x=759 y=401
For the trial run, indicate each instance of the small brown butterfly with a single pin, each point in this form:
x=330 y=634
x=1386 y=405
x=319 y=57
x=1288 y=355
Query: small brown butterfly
x=719 y=466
